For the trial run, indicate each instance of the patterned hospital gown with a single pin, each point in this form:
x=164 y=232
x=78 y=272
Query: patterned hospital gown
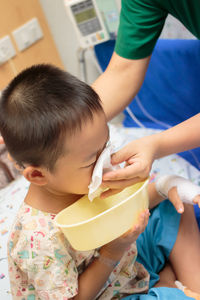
x=43 y=265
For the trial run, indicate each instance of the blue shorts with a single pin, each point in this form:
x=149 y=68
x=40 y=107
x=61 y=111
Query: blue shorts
x=154 y=246
x=156 y=242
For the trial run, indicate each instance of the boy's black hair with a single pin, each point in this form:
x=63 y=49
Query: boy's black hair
x=39 y=108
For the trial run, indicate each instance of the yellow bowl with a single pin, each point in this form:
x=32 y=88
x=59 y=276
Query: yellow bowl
x=89 y=225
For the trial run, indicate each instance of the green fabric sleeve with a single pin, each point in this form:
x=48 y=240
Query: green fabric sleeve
x=141 y=23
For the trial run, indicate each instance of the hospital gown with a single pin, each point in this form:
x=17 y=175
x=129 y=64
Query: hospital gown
x=43 y=265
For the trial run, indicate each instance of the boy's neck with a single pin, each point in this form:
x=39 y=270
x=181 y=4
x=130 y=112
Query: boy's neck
x=47 y=201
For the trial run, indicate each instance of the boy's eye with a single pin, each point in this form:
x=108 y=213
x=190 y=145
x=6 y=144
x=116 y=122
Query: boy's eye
x=90 y=164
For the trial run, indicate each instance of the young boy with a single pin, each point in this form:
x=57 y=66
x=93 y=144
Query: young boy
x=55 y=129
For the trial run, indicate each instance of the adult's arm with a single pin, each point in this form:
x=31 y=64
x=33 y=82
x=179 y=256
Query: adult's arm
x=141 y=153
x=182 y=137
x=141 y=22
x=120 y=82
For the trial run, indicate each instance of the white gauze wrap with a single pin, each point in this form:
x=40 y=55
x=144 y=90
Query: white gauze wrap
x=102 y=166
x=185 y=188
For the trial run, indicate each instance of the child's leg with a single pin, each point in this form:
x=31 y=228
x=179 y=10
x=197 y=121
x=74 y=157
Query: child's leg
x=167 y=277
x=185 y=255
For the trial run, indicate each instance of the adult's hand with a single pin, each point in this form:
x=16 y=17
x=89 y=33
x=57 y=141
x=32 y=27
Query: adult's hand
x=138 y=156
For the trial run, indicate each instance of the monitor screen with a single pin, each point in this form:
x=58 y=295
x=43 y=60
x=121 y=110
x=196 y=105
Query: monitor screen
x=85 y=15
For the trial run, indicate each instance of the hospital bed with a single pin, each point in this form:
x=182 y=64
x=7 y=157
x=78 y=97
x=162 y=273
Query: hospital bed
x=12 y=196
x=169 y=95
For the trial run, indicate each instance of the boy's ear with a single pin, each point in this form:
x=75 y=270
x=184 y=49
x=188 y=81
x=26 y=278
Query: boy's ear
x=35 y=175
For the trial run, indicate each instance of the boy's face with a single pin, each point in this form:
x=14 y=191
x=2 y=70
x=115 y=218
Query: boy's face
x=73 y=170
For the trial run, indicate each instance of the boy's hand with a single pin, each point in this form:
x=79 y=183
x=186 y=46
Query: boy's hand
x=178 y=190
x=116 y=248
x=175 y=200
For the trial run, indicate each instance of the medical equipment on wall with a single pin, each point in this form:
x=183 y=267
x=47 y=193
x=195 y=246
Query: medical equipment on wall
x=95 y=21
x=109 y=10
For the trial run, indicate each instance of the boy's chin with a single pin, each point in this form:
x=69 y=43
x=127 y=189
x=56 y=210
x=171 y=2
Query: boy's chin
x=83 y=192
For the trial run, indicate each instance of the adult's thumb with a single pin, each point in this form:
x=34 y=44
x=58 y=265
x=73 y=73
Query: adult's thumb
x=122 y=155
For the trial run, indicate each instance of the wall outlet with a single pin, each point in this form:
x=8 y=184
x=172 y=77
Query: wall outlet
x=27 y=34
x=7 y=50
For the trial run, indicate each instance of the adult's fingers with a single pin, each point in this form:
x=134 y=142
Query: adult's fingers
x=120 y=184
x=110 y=192
x=123 y=154
x=175 y=199
x=128 y=172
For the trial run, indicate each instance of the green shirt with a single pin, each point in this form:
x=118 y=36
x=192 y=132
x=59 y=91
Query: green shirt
x=141 y=23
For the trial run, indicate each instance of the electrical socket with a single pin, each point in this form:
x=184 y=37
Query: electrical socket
x=7 y=50
x=27 y=34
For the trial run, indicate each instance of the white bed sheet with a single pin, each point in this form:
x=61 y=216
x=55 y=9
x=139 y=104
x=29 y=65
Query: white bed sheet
x=12 y=196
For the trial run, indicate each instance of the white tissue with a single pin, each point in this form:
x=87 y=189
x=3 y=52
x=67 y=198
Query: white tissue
x=102 y=166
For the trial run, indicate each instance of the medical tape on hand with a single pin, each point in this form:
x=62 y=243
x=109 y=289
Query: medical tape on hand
x=186 y=190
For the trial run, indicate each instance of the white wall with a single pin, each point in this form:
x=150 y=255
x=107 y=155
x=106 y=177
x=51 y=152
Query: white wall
x=65 y=39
